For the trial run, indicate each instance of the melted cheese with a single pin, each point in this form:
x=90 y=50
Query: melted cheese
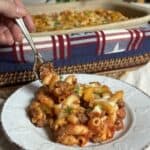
x=97 y=108
x=114 y=105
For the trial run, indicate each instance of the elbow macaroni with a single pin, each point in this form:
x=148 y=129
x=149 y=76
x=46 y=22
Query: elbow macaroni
x=77 y=113
x=70 y=19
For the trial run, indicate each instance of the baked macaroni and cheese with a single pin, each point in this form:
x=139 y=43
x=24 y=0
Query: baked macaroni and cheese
x=76 y=19
x=76 y=113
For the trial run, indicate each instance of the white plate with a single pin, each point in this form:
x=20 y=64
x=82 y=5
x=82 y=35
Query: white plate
x=135 y=136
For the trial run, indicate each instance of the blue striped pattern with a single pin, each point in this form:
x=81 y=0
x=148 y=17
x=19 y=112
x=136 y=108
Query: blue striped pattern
x=80 y=54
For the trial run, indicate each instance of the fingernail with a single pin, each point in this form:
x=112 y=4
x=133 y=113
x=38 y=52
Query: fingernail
x=32 y=29
x=6 y=41
x=20 y=38
x=11 y=42
x=20 y=11
x=3 y=38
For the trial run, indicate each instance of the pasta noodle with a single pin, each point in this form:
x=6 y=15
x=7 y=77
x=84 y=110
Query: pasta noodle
x=68 y=140
x=73 y=119
x=82 y=140
x=77 y=113
x=78 y=130
x=95 y=122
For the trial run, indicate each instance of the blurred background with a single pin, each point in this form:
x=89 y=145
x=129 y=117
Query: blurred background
x=53 y=1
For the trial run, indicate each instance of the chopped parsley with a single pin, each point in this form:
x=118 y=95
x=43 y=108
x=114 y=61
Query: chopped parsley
x=68 y=110
x=56 y=23
x=96 y=95
x=88 y=110
x=77 y=89
x=61 y=77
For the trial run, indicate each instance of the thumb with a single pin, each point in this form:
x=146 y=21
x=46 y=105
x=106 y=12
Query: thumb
x=11 y=10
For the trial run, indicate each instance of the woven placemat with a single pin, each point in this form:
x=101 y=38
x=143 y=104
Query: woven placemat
x=117 y=65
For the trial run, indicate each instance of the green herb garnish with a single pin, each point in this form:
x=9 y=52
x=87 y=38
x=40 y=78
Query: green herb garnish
x=56 y=23
x=61 y=77
x=77 y=89
x=68 y=110
x=88 y=110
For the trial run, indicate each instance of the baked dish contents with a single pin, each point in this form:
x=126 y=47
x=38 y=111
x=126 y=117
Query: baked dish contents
x=76 y=113
x=76 y=19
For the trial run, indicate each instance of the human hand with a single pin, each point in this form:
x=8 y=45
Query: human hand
x=9 y=31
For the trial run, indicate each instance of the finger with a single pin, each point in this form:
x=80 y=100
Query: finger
x=10 y=9
x=28 y=19
x=15 y=31
x=3 y=39
x=5 y=36
x=29 y=23
x=9 y=37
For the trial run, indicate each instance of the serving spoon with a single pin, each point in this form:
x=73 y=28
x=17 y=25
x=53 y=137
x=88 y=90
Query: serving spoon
x=38 y=59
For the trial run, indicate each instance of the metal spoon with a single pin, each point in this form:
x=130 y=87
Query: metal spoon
x=38 y=60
